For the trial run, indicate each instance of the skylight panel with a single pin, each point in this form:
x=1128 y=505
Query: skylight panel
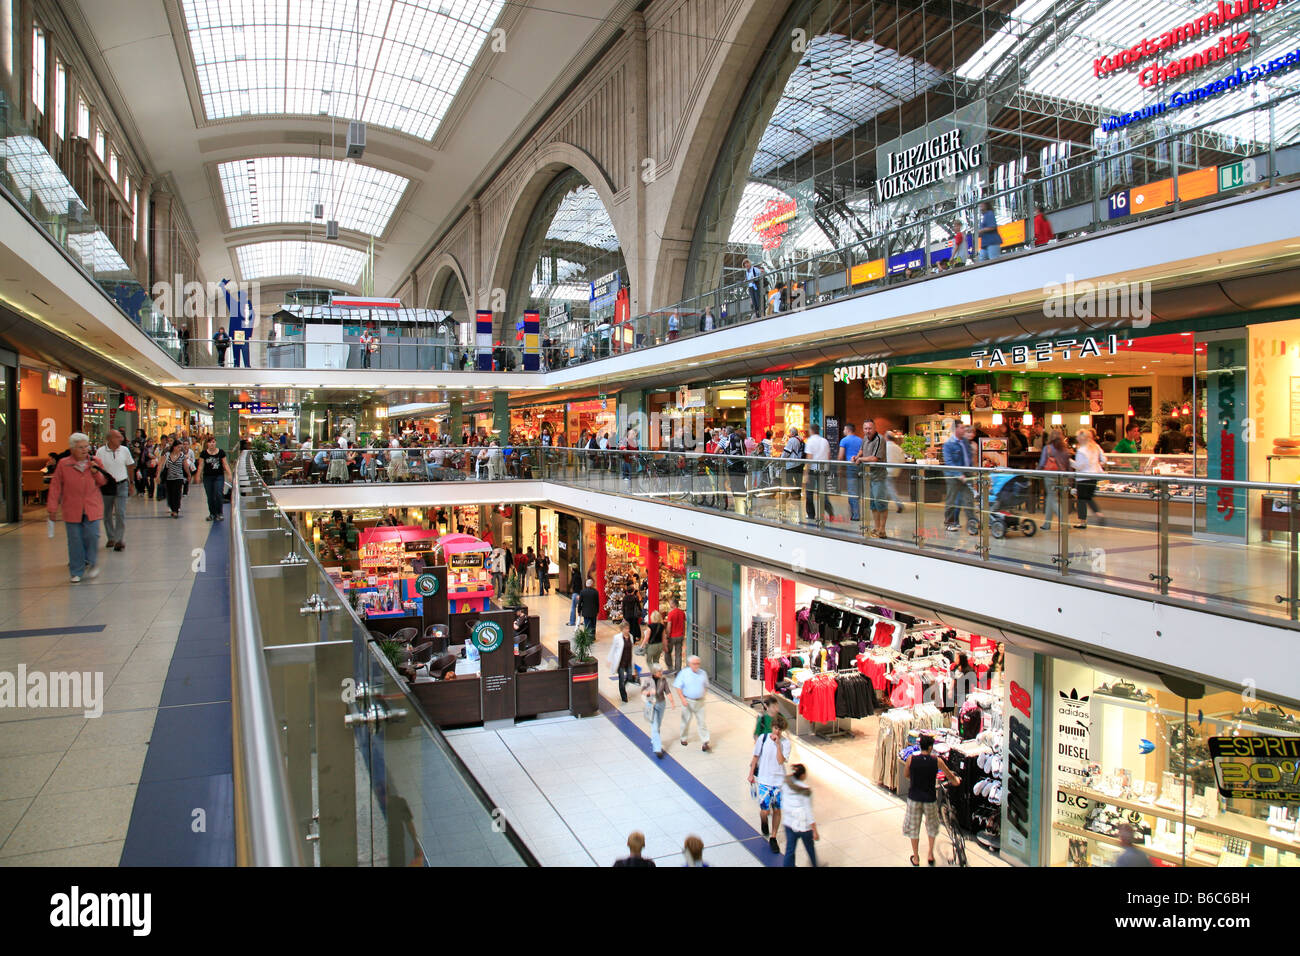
x=404 y=59
x=837 y=86
x=318 y=260
x=1018 y=24
x=285 y=189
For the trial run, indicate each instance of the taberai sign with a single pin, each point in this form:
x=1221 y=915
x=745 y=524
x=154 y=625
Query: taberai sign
x=1224 y=15
x=939 y=158
x=1065 y=349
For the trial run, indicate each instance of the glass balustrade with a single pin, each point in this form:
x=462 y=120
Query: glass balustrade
x=1010 y=519
x=338 y=765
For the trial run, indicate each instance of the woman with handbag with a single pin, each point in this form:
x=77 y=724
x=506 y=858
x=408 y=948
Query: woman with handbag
x=654 y=640
x=656 y=696
x=1055 y=457
x=216 y=472
x=175 y=471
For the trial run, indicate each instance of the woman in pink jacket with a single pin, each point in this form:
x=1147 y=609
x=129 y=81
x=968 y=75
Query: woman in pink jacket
x=75 y=485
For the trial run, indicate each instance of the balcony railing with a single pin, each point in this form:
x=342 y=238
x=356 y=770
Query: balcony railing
x=1093 y=196
x=34 y=182
x=1160 y=537
x=336 y=763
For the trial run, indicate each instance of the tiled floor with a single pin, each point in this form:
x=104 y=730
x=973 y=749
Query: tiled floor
x=576 y=788
x=68 y=783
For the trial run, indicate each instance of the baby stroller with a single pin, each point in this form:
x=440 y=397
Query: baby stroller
x=1006 y=493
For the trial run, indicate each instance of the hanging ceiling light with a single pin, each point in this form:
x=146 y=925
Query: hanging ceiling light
x=1027 y=418
x=1085 y=419
x=997 y=418
x=1058 y=418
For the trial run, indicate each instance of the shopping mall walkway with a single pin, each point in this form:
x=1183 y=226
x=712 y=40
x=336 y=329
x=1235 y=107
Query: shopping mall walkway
x=576 y=788
x=149 y=781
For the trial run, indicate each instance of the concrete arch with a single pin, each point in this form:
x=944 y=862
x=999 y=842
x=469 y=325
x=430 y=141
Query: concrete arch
x=673 y=213
x=439 y=269
x=547 y=163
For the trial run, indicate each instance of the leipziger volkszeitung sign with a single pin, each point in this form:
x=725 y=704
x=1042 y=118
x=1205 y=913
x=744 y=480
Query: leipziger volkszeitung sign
x=936 y=160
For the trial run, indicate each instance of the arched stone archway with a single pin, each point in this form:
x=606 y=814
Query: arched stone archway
x=547 y=164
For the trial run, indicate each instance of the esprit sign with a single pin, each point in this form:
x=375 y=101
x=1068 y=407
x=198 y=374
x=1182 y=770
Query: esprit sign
x=1223 y=15
x=851 y=373
x=1046 y=352
x=937 y=159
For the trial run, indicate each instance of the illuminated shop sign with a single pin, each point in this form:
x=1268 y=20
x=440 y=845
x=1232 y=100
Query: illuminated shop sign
x=56 y=383
x=936 y=160
x=1176 y=101
x=1066 y=349
x=1223 y=15
x=773 y=222
x=604 y=290
x=851 y=373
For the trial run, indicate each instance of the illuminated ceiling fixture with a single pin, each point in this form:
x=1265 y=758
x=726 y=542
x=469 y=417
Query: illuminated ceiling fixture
x=285 y=189
x=262 y=58
x=335 y=263
x=997 y=418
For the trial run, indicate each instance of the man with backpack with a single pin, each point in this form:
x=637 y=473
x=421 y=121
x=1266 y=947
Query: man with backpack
x=818 y=449
x=736 y=466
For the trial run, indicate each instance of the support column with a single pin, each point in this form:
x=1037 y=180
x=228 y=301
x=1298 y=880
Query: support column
x=603 y=613
x=631 y=414
x=501 y=415
x=225 y=423
x=456 y=421
x=653 y=566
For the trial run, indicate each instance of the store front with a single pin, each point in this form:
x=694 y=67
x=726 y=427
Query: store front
x=860 y=681
x=779 y=404
x=11 y=459
x=686 y=412
x=537 y=424
x=593 y=416
x=1126 y=748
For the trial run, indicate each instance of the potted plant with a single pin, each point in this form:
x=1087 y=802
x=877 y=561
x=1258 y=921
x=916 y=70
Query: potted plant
x=511 y=593
x=913 y=446
x=583 y=675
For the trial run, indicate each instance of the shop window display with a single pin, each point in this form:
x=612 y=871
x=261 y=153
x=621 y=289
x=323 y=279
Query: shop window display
x=623 y=559
x=1128 y=751
x=862 y=682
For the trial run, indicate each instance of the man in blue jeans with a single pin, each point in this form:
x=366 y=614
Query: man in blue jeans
x=957 y=451
x=753 y=281
x=850 y=446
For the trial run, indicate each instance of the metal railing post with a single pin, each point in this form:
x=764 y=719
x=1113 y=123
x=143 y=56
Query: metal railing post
x=1161 y=576
x=1062 y=557
x=918 y=506
x=981 y=512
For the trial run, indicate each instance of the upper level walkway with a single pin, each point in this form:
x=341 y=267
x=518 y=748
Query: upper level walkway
x=1150 y=587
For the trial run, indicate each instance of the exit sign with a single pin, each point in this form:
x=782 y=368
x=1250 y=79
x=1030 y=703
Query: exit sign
x=693 y=575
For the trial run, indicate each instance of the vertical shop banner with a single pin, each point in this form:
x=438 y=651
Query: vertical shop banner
x=483 y=339
x=1226 y=411
x=1071 y=748
x=1017 y=781
x=532 y=341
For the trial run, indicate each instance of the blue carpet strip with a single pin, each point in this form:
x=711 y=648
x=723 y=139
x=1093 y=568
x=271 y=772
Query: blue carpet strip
x=190 y=764
x=51 y=631
x=727 y=818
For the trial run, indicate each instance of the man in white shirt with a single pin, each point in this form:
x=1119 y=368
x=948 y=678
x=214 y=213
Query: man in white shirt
x=116 y=459
x=767 y=773
x=816 y=449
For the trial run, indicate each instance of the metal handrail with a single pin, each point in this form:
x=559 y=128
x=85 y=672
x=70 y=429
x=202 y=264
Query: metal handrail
x=540 y=453
x=264 y=833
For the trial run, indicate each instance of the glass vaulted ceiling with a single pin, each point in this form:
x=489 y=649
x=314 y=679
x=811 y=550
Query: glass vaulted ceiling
x=321 y=260
x=839 y=84
x=284 y=189
x=1062 y=67
x=393 y=63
